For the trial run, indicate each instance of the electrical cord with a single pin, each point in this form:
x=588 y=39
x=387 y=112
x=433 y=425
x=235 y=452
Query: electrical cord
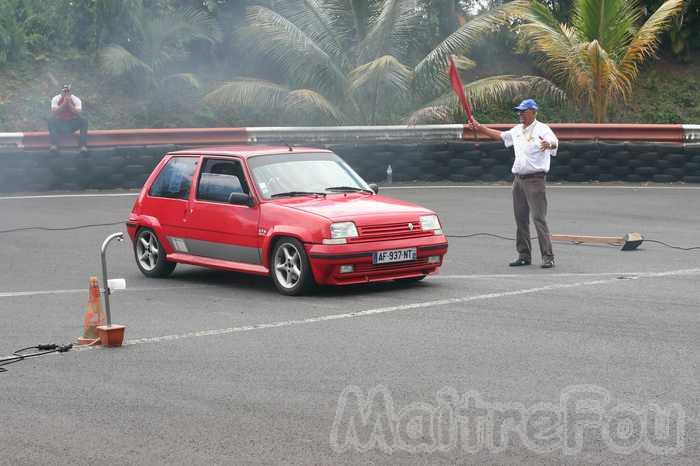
x=507 y=238
x=79 y=227
x=692 y=248
x=671 y=246
x=39 y=350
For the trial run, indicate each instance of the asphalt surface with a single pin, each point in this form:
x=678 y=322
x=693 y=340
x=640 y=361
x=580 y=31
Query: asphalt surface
x=220 y=369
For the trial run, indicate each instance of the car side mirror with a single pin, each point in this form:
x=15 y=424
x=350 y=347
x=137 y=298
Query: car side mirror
x=241 y=199
x=374 y=187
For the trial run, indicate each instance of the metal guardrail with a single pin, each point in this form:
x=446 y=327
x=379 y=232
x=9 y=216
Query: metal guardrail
x=146 y=137
x=692 y=134
x=354 y=134
x=11 y=139
x=609 y=132
x=348 y=134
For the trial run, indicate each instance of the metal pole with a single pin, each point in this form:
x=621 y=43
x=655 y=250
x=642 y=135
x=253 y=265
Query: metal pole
x=120 y=237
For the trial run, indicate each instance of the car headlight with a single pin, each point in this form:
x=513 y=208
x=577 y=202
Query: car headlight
x=430 y=222
x=340 y=232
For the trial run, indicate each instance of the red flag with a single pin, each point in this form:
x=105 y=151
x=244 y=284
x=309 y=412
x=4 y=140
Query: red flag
x=459 y=90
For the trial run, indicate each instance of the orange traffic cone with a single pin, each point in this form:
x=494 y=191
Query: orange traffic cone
x=94 y=315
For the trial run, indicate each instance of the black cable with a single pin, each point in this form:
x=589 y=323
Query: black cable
x=671 y=246
x=693 y=248
x=64 y=228
x=40 y=350
x=574 y=242
x=484 y=234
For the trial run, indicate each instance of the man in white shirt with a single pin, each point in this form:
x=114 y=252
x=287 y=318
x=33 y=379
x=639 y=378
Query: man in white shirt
x=66 y=118
x=534 y=144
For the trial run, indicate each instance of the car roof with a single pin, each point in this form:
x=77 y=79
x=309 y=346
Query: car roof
x=246 y=151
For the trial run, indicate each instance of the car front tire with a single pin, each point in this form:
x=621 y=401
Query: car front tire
x=150 y=255
x=290 y=269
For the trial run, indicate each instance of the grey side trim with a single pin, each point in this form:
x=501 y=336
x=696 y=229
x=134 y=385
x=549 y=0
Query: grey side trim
x=691 y=134
x=223 y=251
x=355 y=134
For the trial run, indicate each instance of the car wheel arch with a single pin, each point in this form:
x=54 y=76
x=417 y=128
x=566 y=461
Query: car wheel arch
x=153 y=224
x=271 y=240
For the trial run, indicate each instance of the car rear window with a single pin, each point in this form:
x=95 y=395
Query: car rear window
x=175 y=179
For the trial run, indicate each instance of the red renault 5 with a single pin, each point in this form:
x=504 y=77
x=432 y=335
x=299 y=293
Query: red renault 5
x=300 y=215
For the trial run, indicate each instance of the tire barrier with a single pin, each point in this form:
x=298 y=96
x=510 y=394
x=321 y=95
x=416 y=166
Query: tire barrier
x=455 y=160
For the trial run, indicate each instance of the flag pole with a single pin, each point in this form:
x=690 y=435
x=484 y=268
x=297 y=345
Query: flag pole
x=458 y=88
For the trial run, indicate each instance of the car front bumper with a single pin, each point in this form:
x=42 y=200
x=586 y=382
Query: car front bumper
x=326 y=260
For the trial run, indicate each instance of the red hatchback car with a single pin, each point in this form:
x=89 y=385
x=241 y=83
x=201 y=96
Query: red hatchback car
x=300 y=215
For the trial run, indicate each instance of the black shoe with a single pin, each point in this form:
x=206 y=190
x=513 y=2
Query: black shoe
x=519 y=262
x=548 y=264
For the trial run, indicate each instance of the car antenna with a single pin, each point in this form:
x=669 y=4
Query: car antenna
x=288 y=145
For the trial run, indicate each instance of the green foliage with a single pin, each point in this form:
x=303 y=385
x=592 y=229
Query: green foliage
x=596 y=57
x=358 y=62
x=324 y=62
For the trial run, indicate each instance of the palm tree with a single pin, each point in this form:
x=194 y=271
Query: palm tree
x=349 y=61
x=148 y=55
x=596 y=57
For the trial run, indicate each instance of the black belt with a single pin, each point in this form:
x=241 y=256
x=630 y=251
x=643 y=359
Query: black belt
x=532 y=175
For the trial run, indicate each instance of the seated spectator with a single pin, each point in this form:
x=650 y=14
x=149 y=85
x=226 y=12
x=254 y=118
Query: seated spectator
x=66 y=119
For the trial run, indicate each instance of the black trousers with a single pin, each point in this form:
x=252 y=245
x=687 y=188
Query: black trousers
x=59 y=127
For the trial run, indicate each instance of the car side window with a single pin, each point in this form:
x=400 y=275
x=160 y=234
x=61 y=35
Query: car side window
x=219 y=179
x=175 y=179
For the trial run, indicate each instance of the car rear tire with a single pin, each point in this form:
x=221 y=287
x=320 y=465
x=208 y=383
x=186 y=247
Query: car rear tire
x=290 y=269
x=150 y=255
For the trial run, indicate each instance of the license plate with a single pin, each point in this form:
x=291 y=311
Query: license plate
x=394 y=255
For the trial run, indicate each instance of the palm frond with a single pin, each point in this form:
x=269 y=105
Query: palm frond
x=507 y=88
x=433 y=66
x=491 y=91
x=244 y=92
x=312 y=17
x=301 y=58
x=308 y=100
x=187 y=79
x=391 y=30
x=431 y=114
x=117 y=61
x=610 y=22
x=555 y=41
x=386 y=71
x=646 y=40
x=349 y=18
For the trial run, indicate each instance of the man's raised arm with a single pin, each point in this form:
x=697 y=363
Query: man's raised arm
x=478 y=127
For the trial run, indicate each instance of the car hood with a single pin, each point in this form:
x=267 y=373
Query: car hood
x=361 y=208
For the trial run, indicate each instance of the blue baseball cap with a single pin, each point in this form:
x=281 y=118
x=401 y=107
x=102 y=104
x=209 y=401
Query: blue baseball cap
x=527 y=104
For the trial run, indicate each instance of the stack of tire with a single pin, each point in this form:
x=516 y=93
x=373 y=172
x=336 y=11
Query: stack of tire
x=485 y=161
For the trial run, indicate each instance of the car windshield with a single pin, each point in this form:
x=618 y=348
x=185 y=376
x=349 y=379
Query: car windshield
x=296 y=173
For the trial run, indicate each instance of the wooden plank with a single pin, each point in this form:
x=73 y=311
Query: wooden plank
x=616 y=240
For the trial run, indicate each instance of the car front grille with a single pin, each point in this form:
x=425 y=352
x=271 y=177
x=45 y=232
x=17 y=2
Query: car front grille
x=390 y=231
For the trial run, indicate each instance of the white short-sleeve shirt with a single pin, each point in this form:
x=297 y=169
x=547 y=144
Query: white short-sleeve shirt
x=529 y=158
x=77 y=103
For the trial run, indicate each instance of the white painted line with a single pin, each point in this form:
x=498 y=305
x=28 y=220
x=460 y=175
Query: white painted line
x=62 y=196
x=535 y=274
x=538 y=275
x=402 y=307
